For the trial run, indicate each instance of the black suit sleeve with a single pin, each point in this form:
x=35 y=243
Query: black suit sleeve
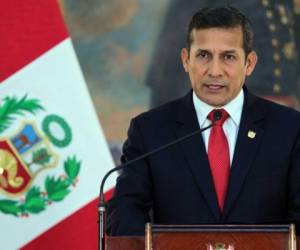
x=294 y=186
x=128 y=210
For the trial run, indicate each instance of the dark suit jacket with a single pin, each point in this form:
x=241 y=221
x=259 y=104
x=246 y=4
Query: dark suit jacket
x=176 y=183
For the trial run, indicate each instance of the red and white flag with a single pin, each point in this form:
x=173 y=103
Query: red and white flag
x=53 y=153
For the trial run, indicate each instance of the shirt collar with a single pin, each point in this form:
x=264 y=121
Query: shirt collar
x=233 y=108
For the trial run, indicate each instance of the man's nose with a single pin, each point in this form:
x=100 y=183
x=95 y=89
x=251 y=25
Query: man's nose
x=215 y=68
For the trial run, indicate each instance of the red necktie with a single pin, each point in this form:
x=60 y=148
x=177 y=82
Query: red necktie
x=218 y=156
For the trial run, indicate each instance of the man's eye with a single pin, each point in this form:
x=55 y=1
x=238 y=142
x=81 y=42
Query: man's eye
x=229 y=57
x=203 y=55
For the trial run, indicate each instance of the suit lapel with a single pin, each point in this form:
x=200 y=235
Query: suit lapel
x=195 y=153
x=248 y=141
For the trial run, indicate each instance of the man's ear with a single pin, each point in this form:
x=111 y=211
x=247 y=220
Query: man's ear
x=251 y=61
x=185 y=59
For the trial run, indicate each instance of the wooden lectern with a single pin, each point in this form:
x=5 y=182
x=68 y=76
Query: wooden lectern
x=209 y=237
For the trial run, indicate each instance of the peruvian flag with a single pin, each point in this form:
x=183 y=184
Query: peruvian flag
x=53 y=153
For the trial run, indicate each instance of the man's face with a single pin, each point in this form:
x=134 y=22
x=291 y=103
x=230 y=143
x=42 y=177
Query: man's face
x=217 y=65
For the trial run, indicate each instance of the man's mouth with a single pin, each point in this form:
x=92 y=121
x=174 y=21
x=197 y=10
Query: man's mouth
x=214 y=86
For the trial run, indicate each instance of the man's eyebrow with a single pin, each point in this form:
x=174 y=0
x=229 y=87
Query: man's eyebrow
x=229 y=51
x=223 y=52
x=201 y=50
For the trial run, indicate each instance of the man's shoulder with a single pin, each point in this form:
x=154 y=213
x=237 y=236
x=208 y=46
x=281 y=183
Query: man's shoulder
x=274 y=109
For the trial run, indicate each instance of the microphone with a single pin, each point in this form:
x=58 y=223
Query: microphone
x=102 y=204
x=217 y=115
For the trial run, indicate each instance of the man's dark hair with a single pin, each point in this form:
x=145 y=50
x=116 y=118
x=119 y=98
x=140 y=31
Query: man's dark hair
x=221 y=17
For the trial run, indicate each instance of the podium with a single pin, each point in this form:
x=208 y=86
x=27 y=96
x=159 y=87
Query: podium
x=209 y=237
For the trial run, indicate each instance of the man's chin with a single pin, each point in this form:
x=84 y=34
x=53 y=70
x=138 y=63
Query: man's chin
x=212 y=98
x=215 y=102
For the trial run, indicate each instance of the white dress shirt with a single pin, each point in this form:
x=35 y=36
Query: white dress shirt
x=230 y=126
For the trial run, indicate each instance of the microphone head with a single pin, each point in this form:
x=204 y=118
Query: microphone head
x=217 y=115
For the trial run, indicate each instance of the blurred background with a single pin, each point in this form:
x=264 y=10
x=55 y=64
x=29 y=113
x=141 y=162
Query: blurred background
x=129 y=52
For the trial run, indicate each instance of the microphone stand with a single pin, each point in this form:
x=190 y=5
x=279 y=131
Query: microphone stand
x=102 y=203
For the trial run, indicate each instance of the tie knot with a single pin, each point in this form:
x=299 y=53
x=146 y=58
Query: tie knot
x=218 y=116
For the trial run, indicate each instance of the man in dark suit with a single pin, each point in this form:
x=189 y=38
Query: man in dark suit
x=245 y=169
x=276 y=26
